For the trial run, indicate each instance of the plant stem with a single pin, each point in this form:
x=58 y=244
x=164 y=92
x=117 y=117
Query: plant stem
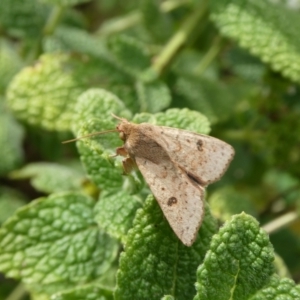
x=209 y=56
x=53 y=20
x=280 y=222
x=179 y=39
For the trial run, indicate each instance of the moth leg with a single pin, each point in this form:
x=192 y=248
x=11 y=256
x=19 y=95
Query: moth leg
x=128 y=165
x=120 y=151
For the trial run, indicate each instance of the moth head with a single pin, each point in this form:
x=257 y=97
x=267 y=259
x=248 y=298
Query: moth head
x=124 y=129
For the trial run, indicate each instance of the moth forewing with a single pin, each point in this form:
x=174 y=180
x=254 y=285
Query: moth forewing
x=204 y=157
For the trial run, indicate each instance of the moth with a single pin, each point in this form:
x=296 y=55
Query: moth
x=177 y=165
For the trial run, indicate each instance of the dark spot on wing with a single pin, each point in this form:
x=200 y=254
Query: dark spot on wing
x=199 y=145
x=172 y=201
x=162 y=188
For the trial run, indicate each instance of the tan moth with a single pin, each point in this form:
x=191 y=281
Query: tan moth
x=177 y=165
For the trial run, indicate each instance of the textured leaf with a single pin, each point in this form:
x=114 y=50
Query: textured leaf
x=155 y=263
x=11 y=136
x=277 y=289
x=45 y=95
x=153 y=96
x=226 y=202
x=96 y=155
x=98 y=104
x=10 y=64
x=154 y=20
x=88 y=292
x=238 y=263
x=10 y=201
x=212 y=98
x=184 y=119
x=115 y=213
x=130 y=54
x=268 y=30
x=75 y=39
x=22 y=17
x=50 y=177
x=54 y=241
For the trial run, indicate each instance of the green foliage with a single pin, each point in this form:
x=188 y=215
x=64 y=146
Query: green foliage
x=55 y=242
x=156 y=261
x=91 y=292
x=238 y=262
x=74 y=226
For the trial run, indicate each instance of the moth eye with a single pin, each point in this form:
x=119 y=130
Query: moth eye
x=122 y=135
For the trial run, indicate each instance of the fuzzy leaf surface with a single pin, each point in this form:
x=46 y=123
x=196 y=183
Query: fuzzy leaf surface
x=50 y=177
x=98 y=104
x=268 y=30
x=277 y=289
x=87 y=292
x=45 y=94
x=155 y=260
x=23 y=17
x=153 y=96
x=116 y=211
x=54 y=242
x=239 y=262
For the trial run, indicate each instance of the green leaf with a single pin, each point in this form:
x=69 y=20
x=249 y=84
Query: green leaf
x=95 y=155
x=45 y=95
x=227 y=201
x=130 y=54
x=88 y=292
x=278 y=288
x=11 y=136
x=54 y=242
x=153 y=96
x=268 y=30
x=23 y=17
x=282 y=184
x=68 y=38
x=10 y=201
x=245 y=65
x=115 y=213
x=184 y=119
x=50 y=177
x=156 y=261
x=10 y=63
x=239 y=261
x=154 y=20
x=98 y=104
x=212 y=98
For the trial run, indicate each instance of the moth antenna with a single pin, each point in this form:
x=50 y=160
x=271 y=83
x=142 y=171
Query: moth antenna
x=118 y=118
x=89 y=135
